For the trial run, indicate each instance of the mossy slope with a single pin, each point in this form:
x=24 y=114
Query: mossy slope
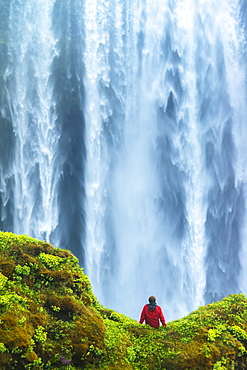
x=50 y=319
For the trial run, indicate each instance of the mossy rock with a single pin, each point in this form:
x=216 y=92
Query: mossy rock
x=50 y=319
x=48 y=312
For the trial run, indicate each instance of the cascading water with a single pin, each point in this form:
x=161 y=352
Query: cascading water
x=32 y=110
x=175 y=203
x=128 y=143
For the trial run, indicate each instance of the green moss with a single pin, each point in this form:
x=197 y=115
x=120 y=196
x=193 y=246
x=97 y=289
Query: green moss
x=50 y=261
x=50 y=319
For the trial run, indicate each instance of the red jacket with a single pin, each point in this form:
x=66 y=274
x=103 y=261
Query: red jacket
x=152 y=318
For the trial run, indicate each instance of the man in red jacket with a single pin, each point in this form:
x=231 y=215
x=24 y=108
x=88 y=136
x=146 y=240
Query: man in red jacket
x=152 y=314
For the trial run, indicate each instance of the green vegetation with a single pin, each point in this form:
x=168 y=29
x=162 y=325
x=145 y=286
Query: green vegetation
x=50 y=319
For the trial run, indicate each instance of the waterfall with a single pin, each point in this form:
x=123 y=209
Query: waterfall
x=32 y=112
x=169 y=199
x=123 y=139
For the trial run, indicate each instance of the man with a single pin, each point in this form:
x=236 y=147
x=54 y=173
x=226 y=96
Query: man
x=152 y=314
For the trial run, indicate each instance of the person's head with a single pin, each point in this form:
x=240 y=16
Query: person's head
x=152 y=299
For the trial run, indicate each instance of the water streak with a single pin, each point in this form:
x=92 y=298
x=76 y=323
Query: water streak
x=32 y=110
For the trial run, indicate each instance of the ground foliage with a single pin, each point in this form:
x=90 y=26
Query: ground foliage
x=50 y=319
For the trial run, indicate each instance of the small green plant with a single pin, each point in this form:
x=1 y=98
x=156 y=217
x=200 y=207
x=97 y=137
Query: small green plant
x=9 y=299
x=40 y=334
x=55 y=308
x=16 y=350
x=22 y=320
x=36 y=364
x=96 y=351
x=131 y=354
x=224 y=364
x=241 y=351
x=22 y=270
x=212 y=335
x=238 y=332
x=3 y=281
x=3 y=349
x=50 y=260
x=206 y=350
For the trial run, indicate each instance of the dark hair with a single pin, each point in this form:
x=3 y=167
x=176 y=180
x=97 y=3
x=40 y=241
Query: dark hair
x=152 y=299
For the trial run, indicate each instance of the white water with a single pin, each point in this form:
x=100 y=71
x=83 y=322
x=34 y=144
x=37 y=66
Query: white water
x=129 y=121
x=31 y=50
x=148 y=254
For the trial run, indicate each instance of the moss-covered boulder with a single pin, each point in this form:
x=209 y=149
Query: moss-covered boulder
x=50 y=319
x=48 y=314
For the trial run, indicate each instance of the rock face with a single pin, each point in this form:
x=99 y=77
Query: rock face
x=50 y=319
